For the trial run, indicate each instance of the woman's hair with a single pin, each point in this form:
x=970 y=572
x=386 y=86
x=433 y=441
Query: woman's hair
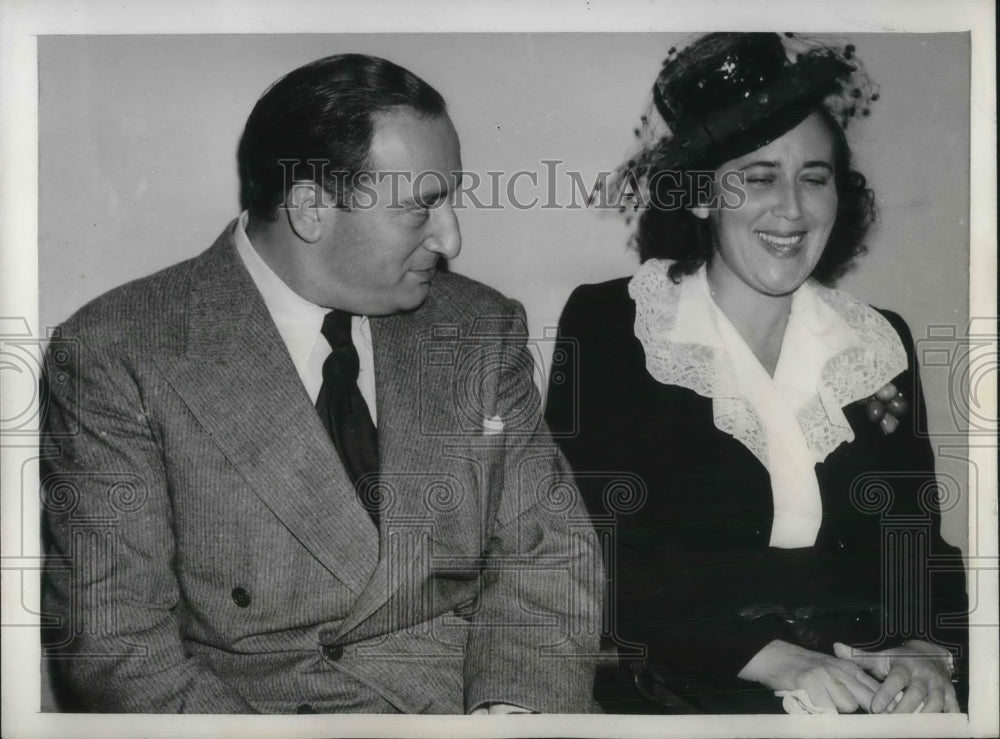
x=675 y=233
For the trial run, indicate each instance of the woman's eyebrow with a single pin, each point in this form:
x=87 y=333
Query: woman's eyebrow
x=777 y=165
x=760 y=163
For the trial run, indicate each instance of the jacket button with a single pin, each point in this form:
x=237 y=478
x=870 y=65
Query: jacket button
x=241 y=597
x=332 y=652
x=305 y=708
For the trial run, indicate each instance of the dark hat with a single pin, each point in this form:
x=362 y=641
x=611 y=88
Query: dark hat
x=728 y=94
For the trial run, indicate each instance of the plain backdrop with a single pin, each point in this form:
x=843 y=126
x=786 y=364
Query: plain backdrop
x=137 y=141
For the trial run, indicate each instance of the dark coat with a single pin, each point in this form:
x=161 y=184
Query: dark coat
x=693 y=582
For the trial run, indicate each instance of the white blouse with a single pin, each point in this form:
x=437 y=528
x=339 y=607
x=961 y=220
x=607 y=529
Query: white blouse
x=836 y=350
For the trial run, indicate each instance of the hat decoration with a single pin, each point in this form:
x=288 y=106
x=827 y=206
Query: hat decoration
x=727 y=94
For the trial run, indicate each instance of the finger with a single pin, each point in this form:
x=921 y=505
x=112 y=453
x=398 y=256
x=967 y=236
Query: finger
x=842 y=651
x=873 y=662
x=815 y=682
x=842 y=698
x=895 y=681
x=951 y=700
x=913 y=696
x=821 y=699
x=860 y=684
x=862 y=693
x=934 y=701
x=863 y=677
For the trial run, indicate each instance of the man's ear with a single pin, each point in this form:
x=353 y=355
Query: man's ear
x=304 y=209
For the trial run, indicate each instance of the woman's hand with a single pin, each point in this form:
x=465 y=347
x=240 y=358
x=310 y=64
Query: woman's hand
x=829 y=681
x=921 y=671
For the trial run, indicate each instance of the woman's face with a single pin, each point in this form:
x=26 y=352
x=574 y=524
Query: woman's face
x=771 y=243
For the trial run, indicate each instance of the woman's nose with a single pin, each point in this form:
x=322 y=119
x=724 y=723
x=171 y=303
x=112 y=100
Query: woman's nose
x=788 y=205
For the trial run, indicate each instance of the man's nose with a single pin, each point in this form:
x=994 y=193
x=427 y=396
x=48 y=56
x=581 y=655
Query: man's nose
x=445 y=237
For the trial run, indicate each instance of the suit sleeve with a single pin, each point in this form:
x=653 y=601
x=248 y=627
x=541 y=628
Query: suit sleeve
x=107 y=522
x=534 y=635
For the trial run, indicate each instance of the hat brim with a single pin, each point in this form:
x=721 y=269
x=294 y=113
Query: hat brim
x=758 y=120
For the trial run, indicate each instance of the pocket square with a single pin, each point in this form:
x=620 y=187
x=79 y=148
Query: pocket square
x=492 y=426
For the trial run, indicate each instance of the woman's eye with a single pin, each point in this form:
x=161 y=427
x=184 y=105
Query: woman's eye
x=819 y=181
x=760 y=180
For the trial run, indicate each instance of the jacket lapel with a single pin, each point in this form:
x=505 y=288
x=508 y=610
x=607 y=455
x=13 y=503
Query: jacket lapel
x=238 y=380
x=408 y=457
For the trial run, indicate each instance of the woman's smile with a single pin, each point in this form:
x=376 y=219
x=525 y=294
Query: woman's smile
x=779 y=243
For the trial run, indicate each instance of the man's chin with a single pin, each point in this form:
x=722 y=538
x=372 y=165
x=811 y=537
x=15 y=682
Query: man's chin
x=415 y=301
x=409 y=301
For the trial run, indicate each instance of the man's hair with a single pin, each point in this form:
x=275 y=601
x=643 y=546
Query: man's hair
x=323 y=112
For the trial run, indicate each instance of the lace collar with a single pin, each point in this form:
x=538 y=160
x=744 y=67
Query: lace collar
x=840 y=351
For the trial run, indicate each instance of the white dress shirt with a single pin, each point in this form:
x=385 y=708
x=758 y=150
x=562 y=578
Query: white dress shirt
x=299 y=324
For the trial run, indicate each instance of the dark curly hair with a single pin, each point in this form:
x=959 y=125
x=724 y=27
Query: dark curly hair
x=677 y=234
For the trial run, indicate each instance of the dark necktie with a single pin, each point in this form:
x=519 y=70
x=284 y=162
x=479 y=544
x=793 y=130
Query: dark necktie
x=343 y=410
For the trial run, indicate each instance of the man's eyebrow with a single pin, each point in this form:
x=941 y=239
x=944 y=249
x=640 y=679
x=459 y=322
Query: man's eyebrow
x=425 y=198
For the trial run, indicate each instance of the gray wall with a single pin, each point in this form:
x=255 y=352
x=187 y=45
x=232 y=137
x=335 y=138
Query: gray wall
x=138 y=136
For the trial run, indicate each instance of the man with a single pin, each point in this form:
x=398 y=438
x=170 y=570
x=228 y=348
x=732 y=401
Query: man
x=305 y=471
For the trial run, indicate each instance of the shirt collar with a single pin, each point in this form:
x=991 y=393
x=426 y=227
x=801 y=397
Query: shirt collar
x=298 y=320
x=836 y=350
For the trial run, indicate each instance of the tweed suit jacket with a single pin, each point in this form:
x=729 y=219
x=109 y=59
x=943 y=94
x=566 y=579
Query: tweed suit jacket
x=209 y=553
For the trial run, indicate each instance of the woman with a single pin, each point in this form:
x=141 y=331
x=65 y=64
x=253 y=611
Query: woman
x=746 y=436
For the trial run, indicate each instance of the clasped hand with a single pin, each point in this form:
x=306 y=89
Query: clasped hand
x=917 y=673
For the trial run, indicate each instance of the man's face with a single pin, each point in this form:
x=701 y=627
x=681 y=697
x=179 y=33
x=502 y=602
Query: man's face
x=379 y=256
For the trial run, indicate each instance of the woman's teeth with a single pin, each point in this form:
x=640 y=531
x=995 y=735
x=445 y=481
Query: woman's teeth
x=779 y=240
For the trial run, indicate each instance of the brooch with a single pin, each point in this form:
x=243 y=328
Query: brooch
x=886 y=407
